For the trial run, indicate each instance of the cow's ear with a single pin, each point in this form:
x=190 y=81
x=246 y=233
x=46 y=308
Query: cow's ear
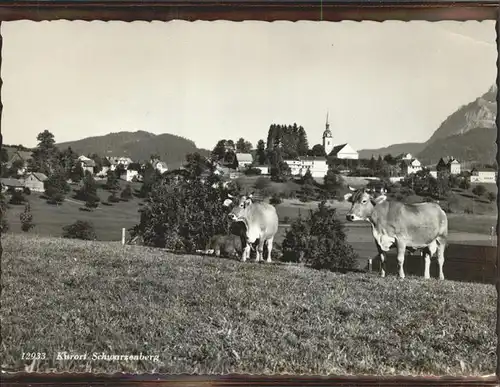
x=348 y=196
x=230 y=196
x=227 y=202
x=379 y=199
x=248 y=201
x=251 y=195
x=352 y=189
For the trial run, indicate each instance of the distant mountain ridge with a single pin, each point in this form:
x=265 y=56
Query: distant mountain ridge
x=139 y=146
x=469 y=134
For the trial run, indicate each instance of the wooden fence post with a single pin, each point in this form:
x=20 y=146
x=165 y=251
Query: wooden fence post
x=123 y=236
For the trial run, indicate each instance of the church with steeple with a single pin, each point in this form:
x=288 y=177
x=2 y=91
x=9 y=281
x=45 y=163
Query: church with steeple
x=341 y=151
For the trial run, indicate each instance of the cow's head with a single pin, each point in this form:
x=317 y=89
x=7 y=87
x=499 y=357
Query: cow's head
x=238 y=205
x=363 y=202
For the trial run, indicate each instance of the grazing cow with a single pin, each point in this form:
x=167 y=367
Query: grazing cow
x=413 y=226
x=228 y=245
x=260 y=222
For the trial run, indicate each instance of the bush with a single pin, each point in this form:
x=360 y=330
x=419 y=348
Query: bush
x=183 y=215
x=275 y=200
x=126 y=193
x=479 y=190
x=4 y=225
x=253 y=171
x=319 y=241
x=262 y=183
x=26 y=191
x=80 y=230
x=26 y=218
x=491 y=196
x=113 y=198
x=17 y=198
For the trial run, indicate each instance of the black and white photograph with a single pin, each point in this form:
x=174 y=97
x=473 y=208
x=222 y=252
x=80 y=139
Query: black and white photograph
x=215 y=198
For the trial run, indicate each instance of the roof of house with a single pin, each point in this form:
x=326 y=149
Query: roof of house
x=244 y=157
x=483 y=169
x=161 y=164
x=23 y=155
x=9 y=182
x=40 y=176
x=312 y=158
x=88 y=163
x=337 y=148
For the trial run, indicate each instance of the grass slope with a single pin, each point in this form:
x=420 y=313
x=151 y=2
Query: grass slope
x=208 y=315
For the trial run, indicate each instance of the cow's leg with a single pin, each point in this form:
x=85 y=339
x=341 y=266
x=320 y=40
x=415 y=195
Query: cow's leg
x=440 y=256
x=259 y=254
x=382 y=260
x=429 y=251
x=269 y=249
x=246 y=252
x=401 y=258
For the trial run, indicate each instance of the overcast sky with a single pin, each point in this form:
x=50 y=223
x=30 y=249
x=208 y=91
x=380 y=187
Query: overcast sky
x=382 y=83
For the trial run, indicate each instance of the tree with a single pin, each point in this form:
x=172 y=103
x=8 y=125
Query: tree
x=56 y=187
x=243 y=146
x=479 y=190
x=332 y=182
x=88 y=192
x=26 y=218
x=182 y=215
x=319 y=241
x=230 y=159
x=4 y=155
x=112 y=183
x=318 y=150
x=120 y=170
x=77 y=174
x=150 y=176
x=80 y=230
x=308 y=178
x=98 y=162
x=44 y=156
x=67 y=160
x=302 y=143
x=261 y=153
x=17 y=198
x=219 y=150
x=13 y=171
x=127 y=192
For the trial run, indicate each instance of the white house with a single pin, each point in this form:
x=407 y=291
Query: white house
x=160 y=166
x=299 y=166
x=410 y=166
x=87 y=164
x=115 y=161
x=449 y=164
x=35 y=181
x=244 y=160
x=483 y=175
x=129 y=175
x=454 y=166
x=406 y=156
x=264 y=169
x=344 y=151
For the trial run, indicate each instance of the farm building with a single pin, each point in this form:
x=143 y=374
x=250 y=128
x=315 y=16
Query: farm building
x=160 y=166
x=316 y=165
x=34 y=181
x=8 y=183
x=129 y=175
x=483 y=175
x=87 y=164
x=115 y=161
x=409 y=166
x=244 y=160
x=449 y=164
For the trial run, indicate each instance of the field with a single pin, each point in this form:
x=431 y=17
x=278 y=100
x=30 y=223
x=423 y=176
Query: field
x=88 y=297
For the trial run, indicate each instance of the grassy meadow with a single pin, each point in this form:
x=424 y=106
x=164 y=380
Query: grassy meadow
x=86 y=297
